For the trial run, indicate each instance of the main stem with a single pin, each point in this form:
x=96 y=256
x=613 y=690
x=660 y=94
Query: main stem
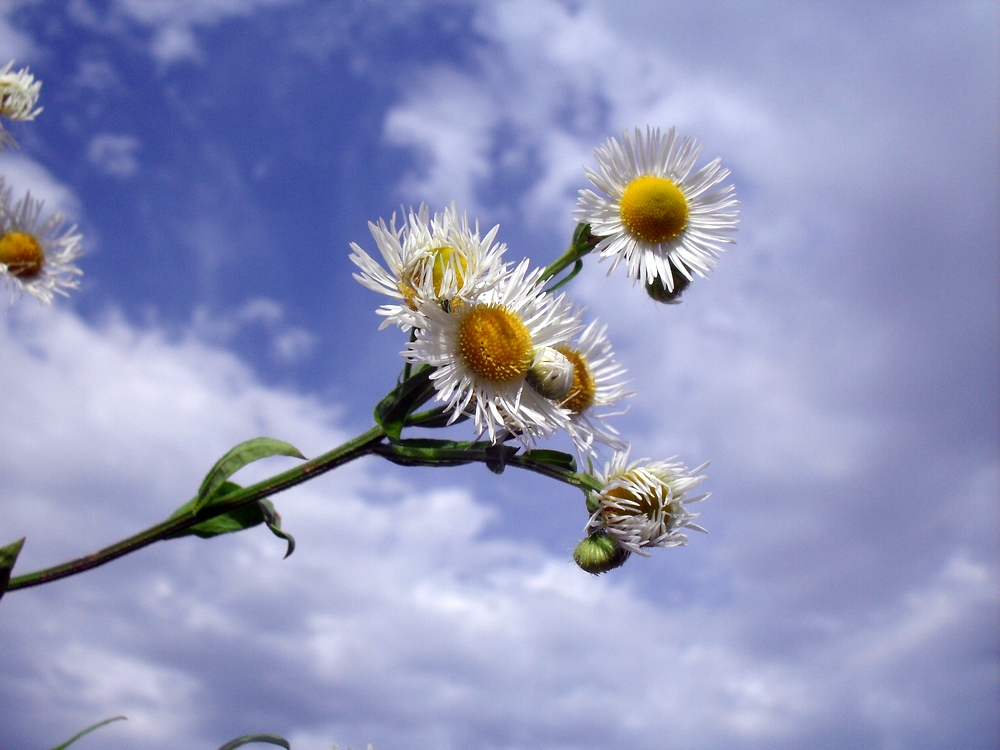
x=362 y=445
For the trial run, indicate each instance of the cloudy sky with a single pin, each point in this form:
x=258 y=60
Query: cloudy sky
x=840 y=370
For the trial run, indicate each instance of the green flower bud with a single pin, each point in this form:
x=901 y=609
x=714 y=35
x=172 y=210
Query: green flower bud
x=659 y=292
x=599 y=553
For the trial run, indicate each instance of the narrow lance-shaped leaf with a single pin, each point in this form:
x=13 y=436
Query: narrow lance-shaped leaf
x=273 y=520
x=555 y=459
x=238 y=519
x=8 y=556
x=270 y=739
x=243 y=454
x=86 y=731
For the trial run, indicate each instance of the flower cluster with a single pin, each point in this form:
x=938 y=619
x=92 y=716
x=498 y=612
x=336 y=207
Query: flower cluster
x=515 y=357
x=36 y=256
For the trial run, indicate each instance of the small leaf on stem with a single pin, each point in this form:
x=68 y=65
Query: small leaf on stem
x=243 y=454
x=8 y=556
x=88 y=730
x=270 y=739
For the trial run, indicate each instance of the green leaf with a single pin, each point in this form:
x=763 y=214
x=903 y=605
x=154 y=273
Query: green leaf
x=270 y=739
x=273 y=520
x=238 y=519
x=432 y=452
x=88 y=730
x=8 y=556
x=243 y=454
x=392 y=411
x=244 y=517
x=557 y=459
x=498 y=455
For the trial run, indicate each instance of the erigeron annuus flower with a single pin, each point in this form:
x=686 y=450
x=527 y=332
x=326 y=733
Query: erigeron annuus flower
x=36 y=258
x=439 y=259
x=483 y=350
x=18 y=97
x=658 y=217
x=597 y=385
x=643 y=503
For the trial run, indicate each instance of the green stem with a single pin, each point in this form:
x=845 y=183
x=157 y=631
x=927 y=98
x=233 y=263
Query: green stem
x=581 y=244
x=362 y=445
x=414 y=454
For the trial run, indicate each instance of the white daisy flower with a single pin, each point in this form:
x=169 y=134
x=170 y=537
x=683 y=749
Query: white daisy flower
x=658 y=217
x=440 y=259
x=18 y=96
x=482 y=351
x=36 y=258
x=642 y=504
x=597 y=385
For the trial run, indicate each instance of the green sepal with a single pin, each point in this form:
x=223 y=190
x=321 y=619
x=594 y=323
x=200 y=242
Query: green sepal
x=556 y=459
x=273 y=520
x=243 y=454
x=498 y=455
x=270 y=739
x=415 y=391
x=8 y=556
x=599 y=553
x=88 y=730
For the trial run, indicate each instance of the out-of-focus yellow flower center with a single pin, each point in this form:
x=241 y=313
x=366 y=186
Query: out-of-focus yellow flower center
x=654 y=209
x=648 y=503
x=22 y=254
x=437 y=262
x=581 y=393
x=495 y=343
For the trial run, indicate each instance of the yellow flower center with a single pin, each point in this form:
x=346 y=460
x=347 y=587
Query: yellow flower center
x=495 y=343
x=648 y=503
x=437 y=261
x=22 y=254
x=654 y=209
x=581 y=393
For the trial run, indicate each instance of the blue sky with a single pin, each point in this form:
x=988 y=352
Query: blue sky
x=840 y=370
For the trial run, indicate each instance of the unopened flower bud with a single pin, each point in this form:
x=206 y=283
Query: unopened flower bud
x=551 y=373
x=657 y=289
x=599 y=553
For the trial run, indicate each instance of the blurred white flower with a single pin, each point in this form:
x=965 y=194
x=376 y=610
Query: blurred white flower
x=36 y=258
x=440 y=259
x=642 y=504
x=18 y=97
x=657 y=216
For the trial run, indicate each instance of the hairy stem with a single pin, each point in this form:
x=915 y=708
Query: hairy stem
x=362 y=445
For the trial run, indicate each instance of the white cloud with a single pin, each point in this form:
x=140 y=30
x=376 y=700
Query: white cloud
x=288 y=343
x=114 y=154
x=23 y=174
x=846 y=595
x=173 y=22
x=400 y=620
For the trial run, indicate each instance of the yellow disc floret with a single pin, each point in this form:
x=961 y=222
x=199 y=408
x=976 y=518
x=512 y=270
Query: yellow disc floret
x=654 y=209
x=581 y=393
x=437 y=262
x=645 y=503
x=22 y=254
x=495 y=343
